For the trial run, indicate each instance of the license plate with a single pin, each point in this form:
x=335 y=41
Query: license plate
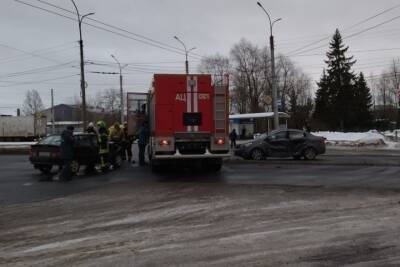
x=44 y=154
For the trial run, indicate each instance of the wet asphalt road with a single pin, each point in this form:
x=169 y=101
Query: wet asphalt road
x=19 y=182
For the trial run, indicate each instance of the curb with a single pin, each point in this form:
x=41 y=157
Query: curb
x=317 y=162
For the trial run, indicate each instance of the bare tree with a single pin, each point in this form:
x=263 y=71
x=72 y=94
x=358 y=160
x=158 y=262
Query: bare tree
x=239 y=97
x=385 y=88
x=286 y=79
x=251 y=78
x=249 y=67
x=32 y=103
x=111 y=100
x=216 y=65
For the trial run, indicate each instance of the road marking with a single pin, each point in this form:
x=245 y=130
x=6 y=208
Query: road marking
x=27 y=184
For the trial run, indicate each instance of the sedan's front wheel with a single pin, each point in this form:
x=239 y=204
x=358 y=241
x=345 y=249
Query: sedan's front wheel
x=309 y=153
x=257 y=154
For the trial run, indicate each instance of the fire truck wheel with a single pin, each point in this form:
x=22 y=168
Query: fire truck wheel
x=216 y=167
x=156 y=168
x=45 y=169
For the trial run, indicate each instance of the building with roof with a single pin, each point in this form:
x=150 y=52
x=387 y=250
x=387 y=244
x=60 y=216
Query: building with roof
x=248 y=124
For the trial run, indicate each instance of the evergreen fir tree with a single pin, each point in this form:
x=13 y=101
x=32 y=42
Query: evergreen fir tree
x=322 y=106
x=364 y=103
x=337 y=88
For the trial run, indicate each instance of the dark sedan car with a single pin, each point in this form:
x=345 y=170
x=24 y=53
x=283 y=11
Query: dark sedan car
x=46 y=153
x=283 y=143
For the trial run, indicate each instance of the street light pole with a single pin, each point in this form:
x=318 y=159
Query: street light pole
x=274 y=86
x=83 y=83
x=186 y=54
x=120 y=87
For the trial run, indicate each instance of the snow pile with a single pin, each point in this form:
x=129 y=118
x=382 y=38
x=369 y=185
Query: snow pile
x=392 y=134
x=371 y=138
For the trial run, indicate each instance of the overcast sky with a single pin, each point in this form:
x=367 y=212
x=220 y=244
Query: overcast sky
x=39 y=50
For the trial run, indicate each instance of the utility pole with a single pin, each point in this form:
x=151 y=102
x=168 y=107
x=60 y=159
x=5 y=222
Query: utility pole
x=120 y=87
x=83 y=82
x=397 y=84
x=398 y=108
x=274 y=86
x=52 y=112
x=186 y=54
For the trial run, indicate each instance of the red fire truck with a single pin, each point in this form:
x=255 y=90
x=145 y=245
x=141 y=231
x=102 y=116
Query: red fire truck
x=188 y=119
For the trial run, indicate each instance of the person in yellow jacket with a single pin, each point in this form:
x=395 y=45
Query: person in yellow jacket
x=116 y=133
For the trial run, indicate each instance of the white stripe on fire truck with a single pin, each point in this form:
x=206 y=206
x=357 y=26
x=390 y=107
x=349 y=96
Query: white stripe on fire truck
x=188 y=100
x=195 y=101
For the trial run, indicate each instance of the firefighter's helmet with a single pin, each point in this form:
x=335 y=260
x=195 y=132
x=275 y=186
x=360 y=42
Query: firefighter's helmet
x=101 y=124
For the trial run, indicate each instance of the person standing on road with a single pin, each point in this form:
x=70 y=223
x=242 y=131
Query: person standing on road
x=103 y=145
x=91 y=129
x=143 y=134
x=116 y=133
x=243 y=133
x=67 y=153
x=116 y=136
x=128 y=140
x=307 y=127
x=233 y=137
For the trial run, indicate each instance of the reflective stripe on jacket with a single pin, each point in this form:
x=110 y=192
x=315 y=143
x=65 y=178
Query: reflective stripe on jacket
x=103 y=143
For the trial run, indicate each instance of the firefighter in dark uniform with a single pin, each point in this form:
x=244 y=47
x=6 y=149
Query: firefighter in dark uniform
x=67 y=153
x=103 y=145
x=143 y=134
x=128 y=140
x=90 y=168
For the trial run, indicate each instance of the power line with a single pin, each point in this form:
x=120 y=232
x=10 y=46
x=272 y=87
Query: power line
x=362 y=65
x=115 y=27
x=104 y=72
x=29 y=53
x=374 y=34
x=355 y=34
x=371 y=28
x=41 y=81
x=352 y=51
x=37 y=70
x=372 y=17
x=27 y=57
x=39 y=51
x=352 y=26
x=111 y=63
x=141 y=67
x=102 y=28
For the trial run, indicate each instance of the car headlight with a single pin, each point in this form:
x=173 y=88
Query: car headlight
x=247 y=144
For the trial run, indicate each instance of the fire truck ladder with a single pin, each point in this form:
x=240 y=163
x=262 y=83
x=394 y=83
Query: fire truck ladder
x=220 y=104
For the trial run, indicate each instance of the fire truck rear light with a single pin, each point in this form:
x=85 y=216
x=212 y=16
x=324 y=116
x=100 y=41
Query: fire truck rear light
x=220 y=141
x=164 y=143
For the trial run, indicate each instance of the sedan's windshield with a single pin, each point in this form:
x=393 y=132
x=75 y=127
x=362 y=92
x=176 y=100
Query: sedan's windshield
x=51 y=140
